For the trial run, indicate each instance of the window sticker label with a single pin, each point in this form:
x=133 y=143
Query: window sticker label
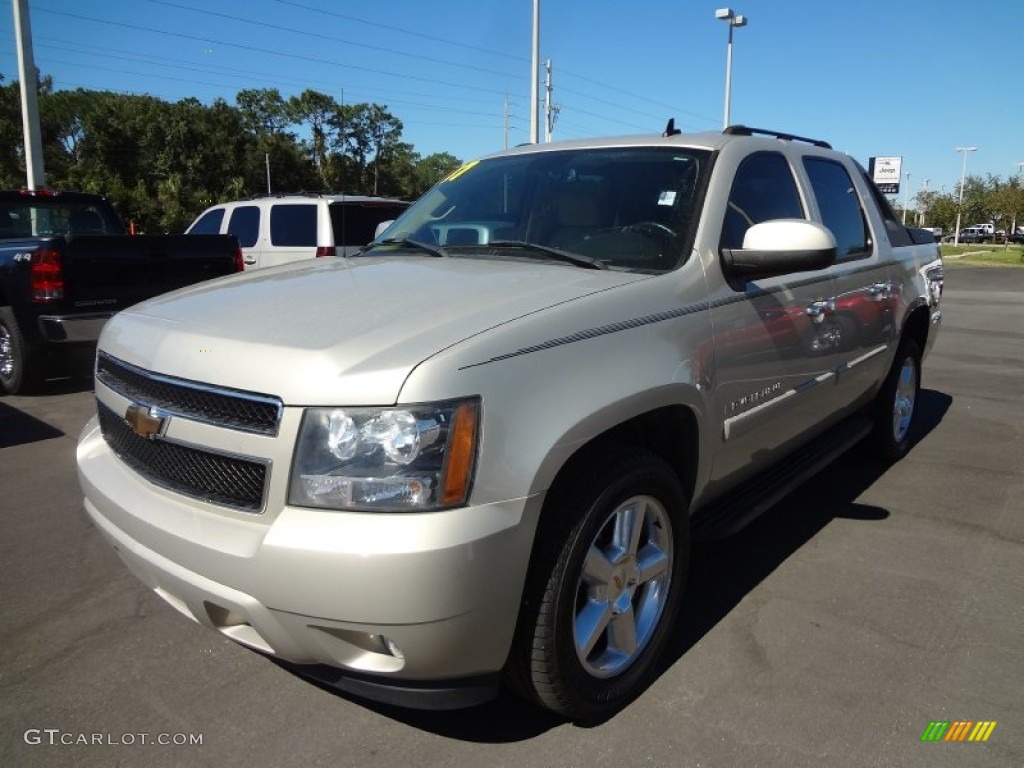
x=455 y=174
x=668 y=197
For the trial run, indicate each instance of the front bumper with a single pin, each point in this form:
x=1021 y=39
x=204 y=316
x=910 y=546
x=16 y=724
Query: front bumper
x=388 y=606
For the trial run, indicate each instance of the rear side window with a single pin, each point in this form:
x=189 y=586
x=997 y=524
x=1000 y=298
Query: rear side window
x=839 y=206
x=356 y=223
x=209 y=223
x=293 y=225
x=245 y=225
x=764 y=189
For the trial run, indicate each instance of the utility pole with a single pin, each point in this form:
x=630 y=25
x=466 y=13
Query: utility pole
x=550 y=110
x=29 y=97
x=376 y=162
x=267 y=156
x=535 y=76
x=506 y=121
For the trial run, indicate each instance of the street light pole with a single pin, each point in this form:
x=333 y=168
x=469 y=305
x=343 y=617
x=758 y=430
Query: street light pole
x=734 y=20
x=906 y=194
x=963 y=178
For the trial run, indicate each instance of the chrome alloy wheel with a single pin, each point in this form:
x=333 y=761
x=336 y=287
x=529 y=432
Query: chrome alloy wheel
x=6 y=354
x=903 y=403
x=623 y=586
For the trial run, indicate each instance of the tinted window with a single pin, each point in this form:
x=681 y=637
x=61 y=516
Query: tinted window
x=41 y=217
x=245 y=225
x=209 y=223
x=293 y=225
x=763 y=190
x=898 y=234
x=356 y=223
x=839 y=205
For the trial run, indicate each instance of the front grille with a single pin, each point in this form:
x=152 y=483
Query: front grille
x=222 y=407
x=200 y=474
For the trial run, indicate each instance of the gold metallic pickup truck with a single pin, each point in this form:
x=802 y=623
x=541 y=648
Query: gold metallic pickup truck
x=476 y=453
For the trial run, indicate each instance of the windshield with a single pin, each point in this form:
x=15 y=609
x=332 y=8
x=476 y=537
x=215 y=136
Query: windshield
x=628 y=208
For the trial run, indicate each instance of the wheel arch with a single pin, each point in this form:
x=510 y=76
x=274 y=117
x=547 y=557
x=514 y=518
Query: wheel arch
x=916 y=325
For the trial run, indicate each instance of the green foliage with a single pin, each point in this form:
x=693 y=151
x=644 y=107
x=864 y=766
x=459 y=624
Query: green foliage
x=162 y=163
x=989 y=200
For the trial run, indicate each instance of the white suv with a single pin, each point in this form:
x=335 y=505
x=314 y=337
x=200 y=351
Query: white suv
x=285 y=228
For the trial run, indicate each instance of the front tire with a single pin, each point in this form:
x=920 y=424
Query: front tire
x=605 y=587
x=896 y=405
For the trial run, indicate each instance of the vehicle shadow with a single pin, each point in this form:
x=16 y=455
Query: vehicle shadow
x=722 y=573
x=18 y=428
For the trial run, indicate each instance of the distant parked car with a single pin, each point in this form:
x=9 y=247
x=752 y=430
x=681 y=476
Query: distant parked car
x=280 y=229
x=975 y=235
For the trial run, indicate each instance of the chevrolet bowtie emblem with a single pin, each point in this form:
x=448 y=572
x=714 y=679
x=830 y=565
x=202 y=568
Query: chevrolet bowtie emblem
x=145 y=422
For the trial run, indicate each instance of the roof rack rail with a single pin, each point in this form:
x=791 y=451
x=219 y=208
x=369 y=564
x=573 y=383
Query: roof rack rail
x=742 y=130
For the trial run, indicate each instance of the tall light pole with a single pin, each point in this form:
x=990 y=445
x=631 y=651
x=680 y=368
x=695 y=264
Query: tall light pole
x=30 y=104
x=906 y=194
x=963 y=179
x=534 y=76
x=734 y=20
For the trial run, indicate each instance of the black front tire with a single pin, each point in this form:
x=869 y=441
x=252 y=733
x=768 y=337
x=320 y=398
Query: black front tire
x=895 y=407
x=605 y=586
x=19 y=373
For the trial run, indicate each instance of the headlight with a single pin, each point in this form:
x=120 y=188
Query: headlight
x=413 y=458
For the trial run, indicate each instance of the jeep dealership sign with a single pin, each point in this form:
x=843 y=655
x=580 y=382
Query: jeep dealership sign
x=885 y=172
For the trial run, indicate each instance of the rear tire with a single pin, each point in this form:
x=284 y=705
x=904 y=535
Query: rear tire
x=19 y=374
x=604 y=588
x=895 y=407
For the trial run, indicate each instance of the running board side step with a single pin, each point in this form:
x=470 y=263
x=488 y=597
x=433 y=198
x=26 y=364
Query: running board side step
x=734 y=511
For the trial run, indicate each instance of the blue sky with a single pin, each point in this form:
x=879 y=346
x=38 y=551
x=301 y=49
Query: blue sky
x=914 y=78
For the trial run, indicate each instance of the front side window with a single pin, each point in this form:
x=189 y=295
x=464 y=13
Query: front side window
x=763 y=189
x=208 y=223
x=839 y=206
x=245 y=225
x=293 y=225
x=629 y=208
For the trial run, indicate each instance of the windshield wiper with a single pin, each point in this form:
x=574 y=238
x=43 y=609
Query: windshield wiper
x=573 y=258
x=419 y=245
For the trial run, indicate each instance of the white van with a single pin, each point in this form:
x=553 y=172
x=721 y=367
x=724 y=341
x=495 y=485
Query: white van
x=280 y=229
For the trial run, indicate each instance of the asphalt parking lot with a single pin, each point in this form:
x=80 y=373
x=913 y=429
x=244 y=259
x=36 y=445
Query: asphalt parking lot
x=831 y=632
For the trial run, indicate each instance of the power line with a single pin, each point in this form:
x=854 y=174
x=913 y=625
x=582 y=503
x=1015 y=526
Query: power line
x=249 y=74
x=314 y=59
x=391 y=28
x=308 y=34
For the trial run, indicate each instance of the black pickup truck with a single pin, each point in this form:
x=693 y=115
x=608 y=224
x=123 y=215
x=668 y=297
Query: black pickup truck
x=67 y=265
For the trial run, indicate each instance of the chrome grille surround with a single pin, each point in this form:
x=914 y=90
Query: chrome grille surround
x=200 y=473
x=218 y=406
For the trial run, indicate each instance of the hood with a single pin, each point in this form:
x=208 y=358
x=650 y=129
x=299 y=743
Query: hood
x=337 y=330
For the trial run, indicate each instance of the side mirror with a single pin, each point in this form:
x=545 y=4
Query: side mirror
x=381 y=227
x=779 y=247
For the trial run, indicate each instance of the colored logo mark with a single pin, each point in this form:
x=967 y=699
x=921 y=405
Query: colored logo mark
x=958 y=730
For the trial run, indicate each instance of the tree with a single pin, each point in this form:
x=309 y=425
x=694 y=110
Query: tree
x=263 y=111
x=317 y=111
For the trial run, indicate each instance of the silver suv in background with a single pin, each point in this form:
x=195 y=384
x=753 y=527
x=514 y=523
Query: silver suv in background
x=281 y=229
